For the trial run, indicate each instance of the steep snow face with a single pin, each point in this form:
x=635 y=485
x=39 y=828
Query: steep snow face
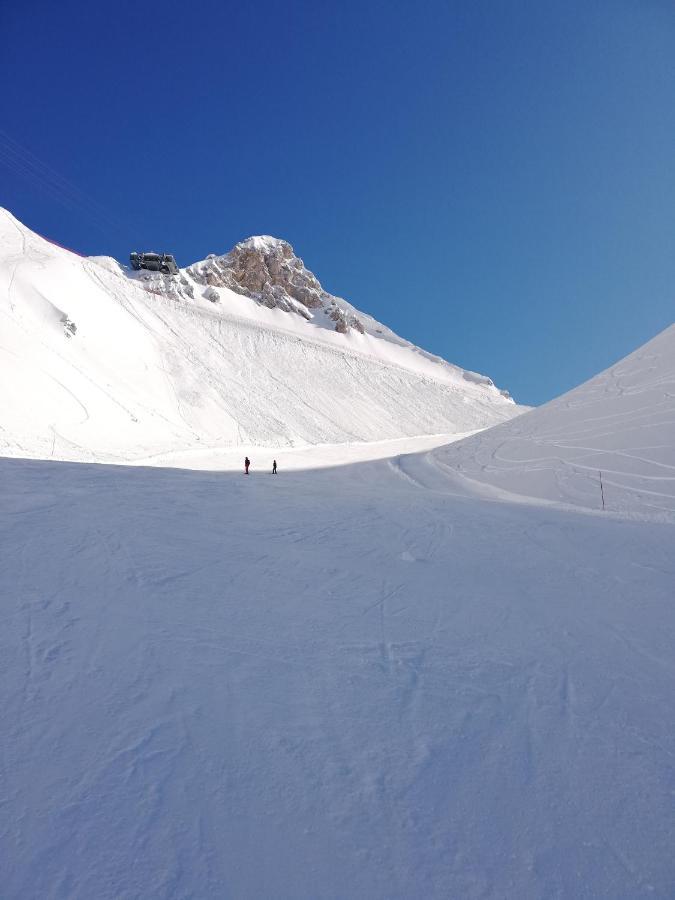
x=108 y=365
x=266 y=269
x=621 y=423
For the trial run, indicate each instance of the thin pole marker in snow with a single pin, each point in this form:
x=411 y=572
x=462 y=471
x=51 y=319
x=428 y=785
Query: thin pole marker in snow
x=602 y=493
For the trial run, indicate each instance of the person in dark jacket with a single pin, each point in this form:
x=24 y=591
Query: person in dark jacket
x=274 y=467
x=247 y=463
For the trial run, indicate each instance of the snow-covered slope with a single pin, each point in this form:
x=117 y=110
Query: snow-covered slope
x=620 y=423
x=329 y=683
x=105 y=365
x=384 y=680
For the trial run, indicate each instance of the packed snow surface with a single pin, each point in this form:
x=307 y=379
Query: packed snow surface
x=329 y=683
x=102 y=364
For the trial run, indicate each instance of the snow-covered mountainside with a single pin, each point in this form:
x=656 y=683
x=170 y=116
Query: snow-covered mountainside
x=620 y=423
x=244 y=349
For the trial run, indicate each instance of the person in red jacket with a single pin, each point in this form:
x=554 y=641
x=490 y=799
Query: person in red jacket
x=247 y=463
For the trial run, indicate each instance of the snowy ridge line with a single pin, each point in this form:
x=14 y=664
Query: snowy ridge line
x=159 y=369
x=454 y=375
x=267 y=270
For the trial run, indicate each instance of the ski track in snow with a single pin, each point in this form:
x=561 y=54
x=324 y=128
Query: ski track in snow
x=356 y=681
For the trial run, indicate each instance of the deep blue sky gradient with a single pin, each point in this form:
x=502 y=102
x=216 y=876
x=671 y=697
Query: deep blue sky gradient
x=494 y=180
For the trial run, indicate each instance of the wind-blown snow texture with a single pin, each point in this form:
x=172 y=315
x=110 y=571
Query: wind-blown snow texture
x=103 y=366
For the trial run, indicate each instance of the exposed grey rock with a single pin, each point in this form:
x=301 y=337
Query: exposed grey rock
x=267 y=270
x=178 y=287
x=69 y=326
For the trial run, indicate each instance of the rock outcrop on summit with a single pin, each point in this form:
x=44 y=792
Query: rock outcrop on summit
x=267 y=270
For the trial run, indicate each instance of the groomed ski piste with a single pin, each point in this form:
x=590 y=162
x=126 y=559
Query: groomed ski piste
x=378 y=674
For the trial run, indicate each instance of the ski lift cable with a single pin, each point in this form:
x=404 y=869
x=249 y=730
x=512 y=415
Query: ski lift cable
x=50 y=190
x=47 y=185
x=25 y=163
x=56 y=189
x=45 y=174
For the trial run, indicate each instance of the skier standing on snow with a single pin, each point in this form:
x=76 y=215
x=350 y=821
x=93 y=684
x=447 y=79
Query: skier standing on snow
x=274 y=467
x=247 y=463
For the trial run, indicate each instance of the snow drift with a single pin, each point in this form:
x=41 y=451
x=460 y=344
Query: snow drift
x=241 y=350
x=620 y=423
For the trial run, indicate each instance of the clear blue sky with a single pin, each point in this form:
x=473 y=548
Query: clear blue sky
x=494 y=180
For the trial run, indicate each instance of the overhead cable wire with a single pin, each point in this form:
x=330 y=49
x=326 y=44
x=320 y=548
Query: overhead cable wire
x=26 y=164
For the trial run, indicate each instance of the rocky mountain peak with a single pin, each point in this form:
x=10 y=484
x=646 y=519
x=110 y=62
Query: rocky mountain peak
x=266 y=269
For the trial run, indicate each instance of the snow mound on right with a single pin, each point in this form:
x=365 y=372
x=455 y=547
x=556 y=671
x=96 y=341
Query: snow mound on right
x=621 y=423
